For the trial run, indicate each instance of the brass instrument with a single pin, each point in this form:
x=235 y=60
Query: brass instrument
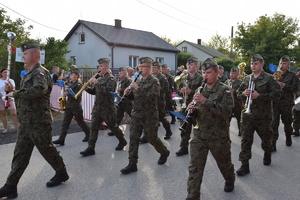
x=62 y=103
x=278 y=74
x=242 y=73
x=78 y=94
x=184 y=96
x=190 y=111
x=248 y=102
x=177 y=79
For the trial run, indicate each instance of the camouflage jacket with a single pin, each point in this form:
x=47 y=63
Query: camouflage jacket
x=145 y=98
x=71 y=101
x=164 y=88
x=268 y=89
x=33 y=98
x=192 y=82
x=104 y=100
x=289 y=89
x=170 y=81
x=213 y=117
x=234 y=87
x=223 y=78
x=123 y=85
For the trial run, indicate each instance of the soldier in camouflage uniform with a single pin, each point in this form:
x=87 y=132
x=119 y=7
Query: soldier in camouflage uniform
x=289 y=84
x=164 y=88
x=235 y=83
x=187 y=87
x=125 y=105
x=296 y=110
x=34 y=116
x=74 y=109
x=104 y=108
x=211 y=133
x=169 y=101
x=222 y=77
x=259 y=119
x=144 y=116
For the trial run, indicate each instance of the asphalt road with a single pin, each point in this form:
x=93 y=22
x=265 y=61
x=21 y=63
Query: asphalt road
x=98 y=177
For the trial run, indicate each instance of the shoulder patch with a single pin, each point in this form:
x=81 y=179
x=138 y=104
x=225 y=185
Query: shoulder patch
x=158 y=83
x=112 y=79
x=228 y=91
x=42 y=74
x=274 y=78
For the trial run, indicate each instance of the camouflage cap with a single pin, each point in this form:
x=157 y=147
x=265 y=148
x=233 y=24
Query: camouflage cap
x=122 y=69
x=29 y=45
x=192 y=60
x=164 y=66
x=208 y=63
x=234 y=69
x=221 y=67
x=285 y=58
x=156 y=63
x=103 y=60
x=145 y=60
x=256 y=57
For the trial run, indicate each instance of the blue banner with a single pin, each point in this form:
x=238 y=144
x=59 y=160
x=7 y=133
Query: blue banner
x=273 y=68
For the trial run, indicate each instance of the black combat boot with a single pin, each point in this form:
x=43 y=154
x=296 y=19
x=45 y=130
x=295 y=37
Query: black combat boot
x=111 y=133
x=59 y=141
x=143 y=140
x=131 y=167
x=229 y=186
x=244 y=169
x=8 y=191
x=274 y=146
x=182 y=151
x=121 y=145
x=296 y=133
x=86 y=138
x=288 y=141
x=173 y=119
x=163 y=157
x=88 y=152
x=57 y=179
x=168 y=135
x=267 y=158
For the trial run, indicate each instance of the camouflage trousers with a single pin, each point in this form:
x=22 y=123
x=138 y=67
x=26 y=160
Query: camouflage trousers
x=122 y=108
x=237 y=109
x=186 y=135
x=109 y=117
x=68 y=115
x=296 y=119
x=30 y=135
x=263 y=127
x=199 y=148
x=150 y=127
x=285 y=111
x=162 y=118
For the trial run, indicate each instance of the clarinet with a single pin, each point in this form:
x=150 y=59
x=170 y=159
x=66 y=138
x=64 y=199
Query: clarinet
x=125 y=94
x=190 y=111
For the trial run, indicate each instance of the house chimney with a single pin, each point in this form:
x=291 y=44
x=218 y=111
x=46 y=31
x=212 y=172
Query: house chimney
x=199 y=41
x=118 y=23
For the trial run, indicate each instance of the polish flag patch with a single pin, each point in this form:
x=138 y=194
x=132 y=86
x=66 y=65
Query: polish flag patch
x=42 y=74
x=228 y=91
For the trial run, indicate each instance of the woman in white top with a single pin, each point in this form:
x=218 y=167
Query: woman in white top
x=4 y=80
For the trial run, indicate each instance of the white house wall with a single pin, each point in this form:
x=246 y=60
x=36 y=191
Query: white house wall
x=195 y=51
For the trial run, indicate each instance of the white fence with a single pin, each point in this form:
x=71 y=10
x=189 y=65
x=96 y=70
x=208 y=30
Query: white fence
x=87 y=102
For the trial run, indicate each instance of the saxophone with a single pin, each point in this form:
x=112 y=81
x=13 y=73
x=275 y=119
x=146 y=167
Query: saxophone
x=62 y=100
x=78 y=94
x=242 y=73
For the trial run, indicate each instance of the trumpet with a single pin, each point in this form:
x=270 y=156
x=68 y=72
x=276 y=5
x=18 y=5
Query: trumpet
x=248 y=102
x=177 y=79
x=278 y=74
x=78 y=94
x=185 y=96
x=190 y=111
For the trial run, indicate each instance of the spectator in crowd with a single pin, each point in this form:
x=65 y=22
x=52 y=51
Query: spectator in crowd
x=130 y=72
x=5 y=102
x=55 y=74
x=180 y=70
x=23 y=72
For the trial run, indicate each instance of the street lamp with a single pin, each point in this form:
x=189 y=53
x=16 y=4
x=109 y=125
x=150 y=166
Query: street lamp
x=11 y=37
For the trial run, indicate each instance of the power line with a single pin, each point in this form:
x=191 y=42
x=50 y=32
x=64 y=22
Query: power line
x=174 y=17
x=32 y=19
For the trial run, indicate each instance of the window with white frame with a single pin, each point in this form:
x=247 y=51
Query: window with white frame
x=82 y=38
x=133 y=61
x=159 y=59
x=184 y=49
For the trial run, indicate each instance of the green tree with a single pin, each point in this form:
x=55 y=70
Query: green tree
x=220 y=43
x=173 y=43
x=55 y=53
x=182 y=58
x=17 y=26
x=272 y=37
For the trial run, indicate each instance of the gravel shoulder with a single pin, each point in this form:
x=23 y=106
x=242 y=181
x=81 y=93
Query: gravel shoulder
x=11 y=136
